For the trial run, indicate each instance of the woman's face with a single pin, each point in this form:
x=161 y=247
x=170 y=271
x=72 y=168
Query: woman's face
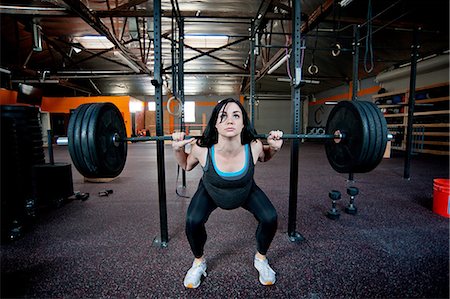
x=230 y=120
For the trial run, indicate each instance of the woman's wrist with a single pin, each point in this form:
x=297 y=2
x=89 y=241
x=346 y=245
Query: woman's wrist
x=274 y=148
x=178 y=149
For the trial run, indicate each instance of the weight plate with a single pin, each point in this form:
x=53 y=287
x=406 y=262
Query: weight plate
x=380 y=137
x=346 y=154
x=90 y=137
x=73 y=134
x=90 y=163
x=105 y=122
x=372 y=138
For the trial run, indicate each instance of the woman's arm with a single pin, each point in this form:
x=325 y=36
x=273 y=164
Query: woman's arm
x=274 y=145
x=185 y=160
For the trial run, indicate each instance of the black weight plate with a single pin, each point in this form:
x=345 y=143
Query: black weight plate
x=368 y=141
x=91 y=140
x=90 y=163
x=345 y=155
x=78 y=140
x=73 y=134
x=111 y=156
x=381 y=136
x=367 y=160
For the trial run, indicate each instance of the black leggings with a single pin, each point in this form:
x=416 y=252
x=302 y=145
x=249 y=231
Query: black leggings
x=202 y=205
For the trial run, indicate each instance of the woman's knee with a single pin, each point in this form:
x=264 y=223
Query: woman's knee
x=193 y=223
x=270 y=218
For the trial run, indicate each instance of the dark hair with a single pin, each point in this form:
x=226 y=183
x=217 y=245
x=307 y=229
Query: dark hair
x=210 y=135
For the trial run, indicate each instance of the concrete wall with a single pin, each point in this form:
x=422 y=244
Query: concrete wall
x=272 y=115
x=430 y=71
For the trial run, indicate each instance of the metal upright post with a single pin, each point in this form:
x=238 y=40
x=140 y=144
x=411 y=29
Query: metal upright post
x=411 y=103
x=252 y=73
x=355 y=81
x=181 y=84
x=293 y=235
x=50 y=146
x=355 y=53
x=173 y=45
x=157 y=82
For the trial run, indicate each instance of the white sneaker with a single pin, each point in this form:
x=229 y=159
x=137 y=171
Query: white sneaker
x=266 y=274
x=194 y=275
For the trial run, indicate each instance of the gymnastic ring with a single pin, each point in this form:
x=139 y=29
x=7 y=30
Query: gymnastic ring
x=313 y=69
x=337 y=50
x=178 y=112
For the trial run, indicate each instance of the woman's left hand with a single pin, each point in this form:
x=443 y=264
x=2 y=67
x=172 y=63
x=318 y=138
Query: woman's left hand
x=274 y=139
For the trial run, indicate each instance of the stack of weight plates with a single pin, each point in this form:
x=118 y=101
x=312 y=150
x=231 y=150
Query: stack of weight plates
x=365 y=137
x=92 y=148
x=21 y=148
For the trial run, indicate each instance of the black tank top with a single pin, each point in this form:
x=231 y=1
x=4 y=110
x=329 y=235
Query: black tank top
x=229 y=190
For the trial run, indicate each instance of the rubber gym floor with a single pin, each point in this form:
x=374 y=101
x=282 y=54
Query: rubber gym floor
x=394 y=247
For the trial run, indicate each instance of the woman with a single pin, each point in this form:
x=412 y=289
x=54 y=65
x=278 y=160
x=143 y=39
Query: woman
x=227 y=152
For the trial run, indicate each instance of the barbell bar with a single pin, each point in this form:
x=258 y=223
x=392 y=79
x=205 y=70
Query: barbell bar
x=64 y=141
x=355 y=137
x=116 y=138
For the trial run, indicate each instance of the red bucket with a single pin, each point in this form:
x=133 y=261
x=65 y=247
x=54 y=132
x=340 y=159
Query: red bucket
x=441 y=197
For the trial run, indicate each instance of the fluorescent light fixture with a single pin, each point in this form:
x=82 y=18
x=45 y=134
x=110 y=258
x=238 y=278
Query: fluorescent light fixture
x=37 y=38
x=331 y=103
x=205 y=41
x=278 y=64
x=344 y=3
x=49 y=81
x=126 y=61
x=307 y=81
x=94 y=42
x=6 y=71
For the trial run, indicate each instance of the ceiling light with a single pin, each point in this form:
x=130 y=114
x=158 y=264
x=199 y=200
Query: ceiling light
x=278 y=64
x=37 y=38
x=344 y=3
x=205 y=41
x=94 y=42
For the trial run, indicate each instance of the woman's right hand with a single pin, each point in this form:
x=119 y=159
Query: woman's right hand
x=179 y=142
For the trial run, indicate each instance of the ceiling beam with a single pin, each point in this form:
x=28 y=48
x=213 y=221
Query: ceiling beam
x=34 y=11
x=125 y=13
x=190 y=14
x=94 y=21
x=313 y=20
x=128 y=5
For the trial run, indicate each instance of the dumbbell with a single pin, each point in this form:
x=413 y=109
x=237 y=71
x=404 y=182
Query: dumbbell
x=334 y=213
x=351 y=208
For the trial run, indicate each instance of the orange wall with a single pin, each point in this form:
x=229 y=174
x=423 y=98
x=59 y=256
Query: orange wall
x=63 y=105
x=8 y=97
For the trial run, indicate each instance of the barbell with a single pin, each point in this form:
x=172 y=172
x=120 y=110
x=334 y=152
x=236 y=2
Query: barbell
x=355 y=137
